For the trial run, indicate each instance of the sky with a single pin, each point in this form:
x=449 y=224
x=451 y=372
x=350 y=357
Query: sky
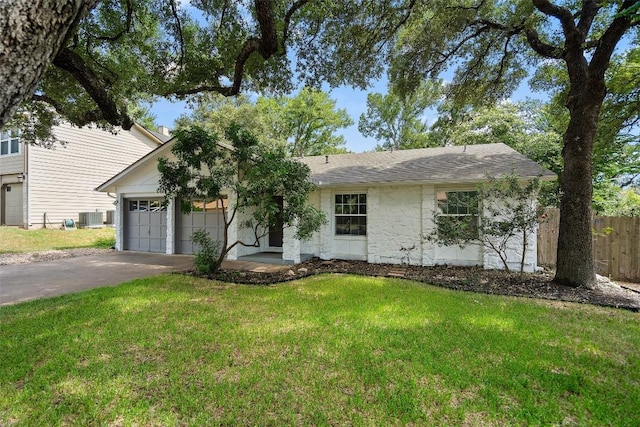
x=352 y=100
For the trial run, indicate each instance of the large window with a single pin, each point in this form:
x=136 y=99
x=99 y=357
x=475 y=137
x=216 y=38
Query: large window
x=457 y=214
x=9 y=142
x=351 y=214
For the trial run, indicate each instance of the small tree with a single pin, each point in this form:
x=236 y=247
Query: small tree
x=208 y=170
x=510 y=210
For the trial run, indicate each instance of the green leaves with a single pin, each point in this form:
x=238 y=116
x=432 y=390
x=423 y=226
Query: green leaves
x=396 y=120
x=306 y=124
x=248 y=174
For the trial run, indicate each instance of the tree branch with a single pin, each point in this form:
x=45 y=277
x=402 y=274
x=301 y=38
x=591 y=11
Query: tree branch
x=564 y=15
x=74 y=64
x=126 y=29
x=287 y=21
x=542 y=48
x=609 y=40
x=174 y=11
x=588 y=13
x=87 y=117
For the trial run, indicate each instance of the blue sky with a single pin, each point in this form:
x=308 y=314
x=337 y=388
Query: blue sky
x=352 y=100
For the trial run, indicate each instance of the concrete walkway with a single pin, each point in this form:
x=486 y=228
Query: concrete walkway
x=24 y=282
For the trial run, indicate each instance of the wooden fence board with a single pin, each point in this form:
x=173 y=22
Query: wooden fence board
x=616 y=244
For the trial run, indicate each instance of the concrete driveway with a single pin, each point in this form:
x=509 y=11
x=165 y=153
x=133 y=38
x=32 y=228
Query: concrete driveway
x=23 y=282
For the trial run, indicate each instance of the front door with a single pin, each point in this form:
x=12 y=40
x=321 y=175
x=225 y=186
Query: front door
x=275 y=227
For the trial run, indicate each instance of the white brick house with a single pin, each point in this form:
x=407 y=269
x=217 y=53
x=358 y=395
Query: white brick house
x=378 y=205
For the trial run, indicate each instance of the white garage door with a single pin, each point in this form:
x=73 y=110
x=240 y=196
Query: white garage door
x=145 y=225
x=12 y=195
x=204 y=216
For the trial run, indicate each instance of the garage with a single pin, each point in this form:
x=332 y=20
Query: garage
x=204 y=216
x=145 y=225
x=12 y=204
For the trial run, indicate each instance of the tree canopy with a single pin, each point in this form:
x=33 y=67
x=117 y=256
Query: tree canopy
x=249 y=175
x=305 y=124
x=113 y=53
x=307 y=121
x=397 y=121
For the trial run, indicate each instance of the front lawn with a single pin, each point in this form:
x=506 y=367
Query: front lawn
x=325 y=350
x=18 y=240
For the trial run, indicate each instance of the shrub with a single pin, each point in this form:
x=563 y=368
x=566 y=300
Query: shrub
x=206 y=258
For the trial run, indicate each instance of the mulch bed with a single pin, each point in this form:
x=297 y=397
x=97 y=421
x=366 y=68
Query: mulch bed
x=470 y=279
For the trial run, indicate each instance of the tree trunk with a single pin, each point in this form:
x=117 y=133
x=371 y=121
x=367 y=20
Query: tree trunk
x=575 y=265
x=32 y=33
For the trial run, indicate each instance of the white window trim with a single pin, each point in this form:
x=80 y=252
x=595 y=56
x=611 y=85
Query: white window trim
x=478 y=214
x=8 y=140
x=335 y=215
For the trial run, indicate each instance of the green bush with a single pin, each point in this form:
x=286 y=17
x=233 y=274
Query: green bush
x=206 y=259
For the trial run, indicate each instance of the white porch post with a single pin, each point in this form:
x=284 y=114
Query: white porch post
x=326 y=231
x=291 y=245
x=171 y=227
x=428 y=224
x=119 y=221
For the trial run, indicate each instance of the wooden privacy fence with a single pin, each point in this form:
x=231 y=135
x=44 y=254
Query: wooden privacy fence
x=616 y=244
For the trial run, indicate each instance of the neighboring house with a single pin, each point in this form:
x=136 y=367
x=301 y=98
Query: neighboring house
x=41 y=187
x=377 y=204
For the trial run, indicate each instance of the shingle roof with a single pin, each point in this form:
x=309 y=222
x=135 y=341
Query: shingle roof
x=161 y=136
x=436 y=165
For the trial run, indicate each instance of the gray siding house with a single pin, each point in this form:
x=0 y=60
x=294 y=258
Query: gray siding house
x=377 y=204
x=41 y=187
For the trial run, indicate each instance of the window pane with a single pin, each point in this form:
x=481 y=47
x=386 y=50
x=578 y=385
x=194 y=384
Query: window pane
x=363 y=209
x=342 y=225
x=197 y=206
x=363 y=198
x=338 y=198
x=339 y=209
x=15 y=146
x=133 y=205
x=4 y=147
x=5 y=134
x=143 y=205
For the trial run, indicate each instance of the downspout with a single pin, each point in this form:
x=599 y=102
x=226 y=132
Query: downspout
x=26 y=190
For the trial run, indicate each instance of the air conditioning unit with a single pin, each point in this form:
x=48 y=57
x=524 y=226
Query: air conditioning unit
x=90 y=219
x=111 y=217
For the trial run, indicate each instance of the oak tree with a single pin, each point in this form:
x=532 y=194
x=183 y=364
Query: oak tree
x=490 y=44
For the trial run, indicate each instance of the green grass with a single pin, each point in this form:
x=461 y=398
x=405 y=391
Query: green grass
x=327 y=350
x=13 y=239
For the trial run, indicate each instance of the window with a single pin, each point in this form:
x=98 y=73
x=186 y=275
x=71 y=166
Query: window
x=147 y=205
x=458 y=214
x=215 y=205
x=351 y=214
x=9 y=142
